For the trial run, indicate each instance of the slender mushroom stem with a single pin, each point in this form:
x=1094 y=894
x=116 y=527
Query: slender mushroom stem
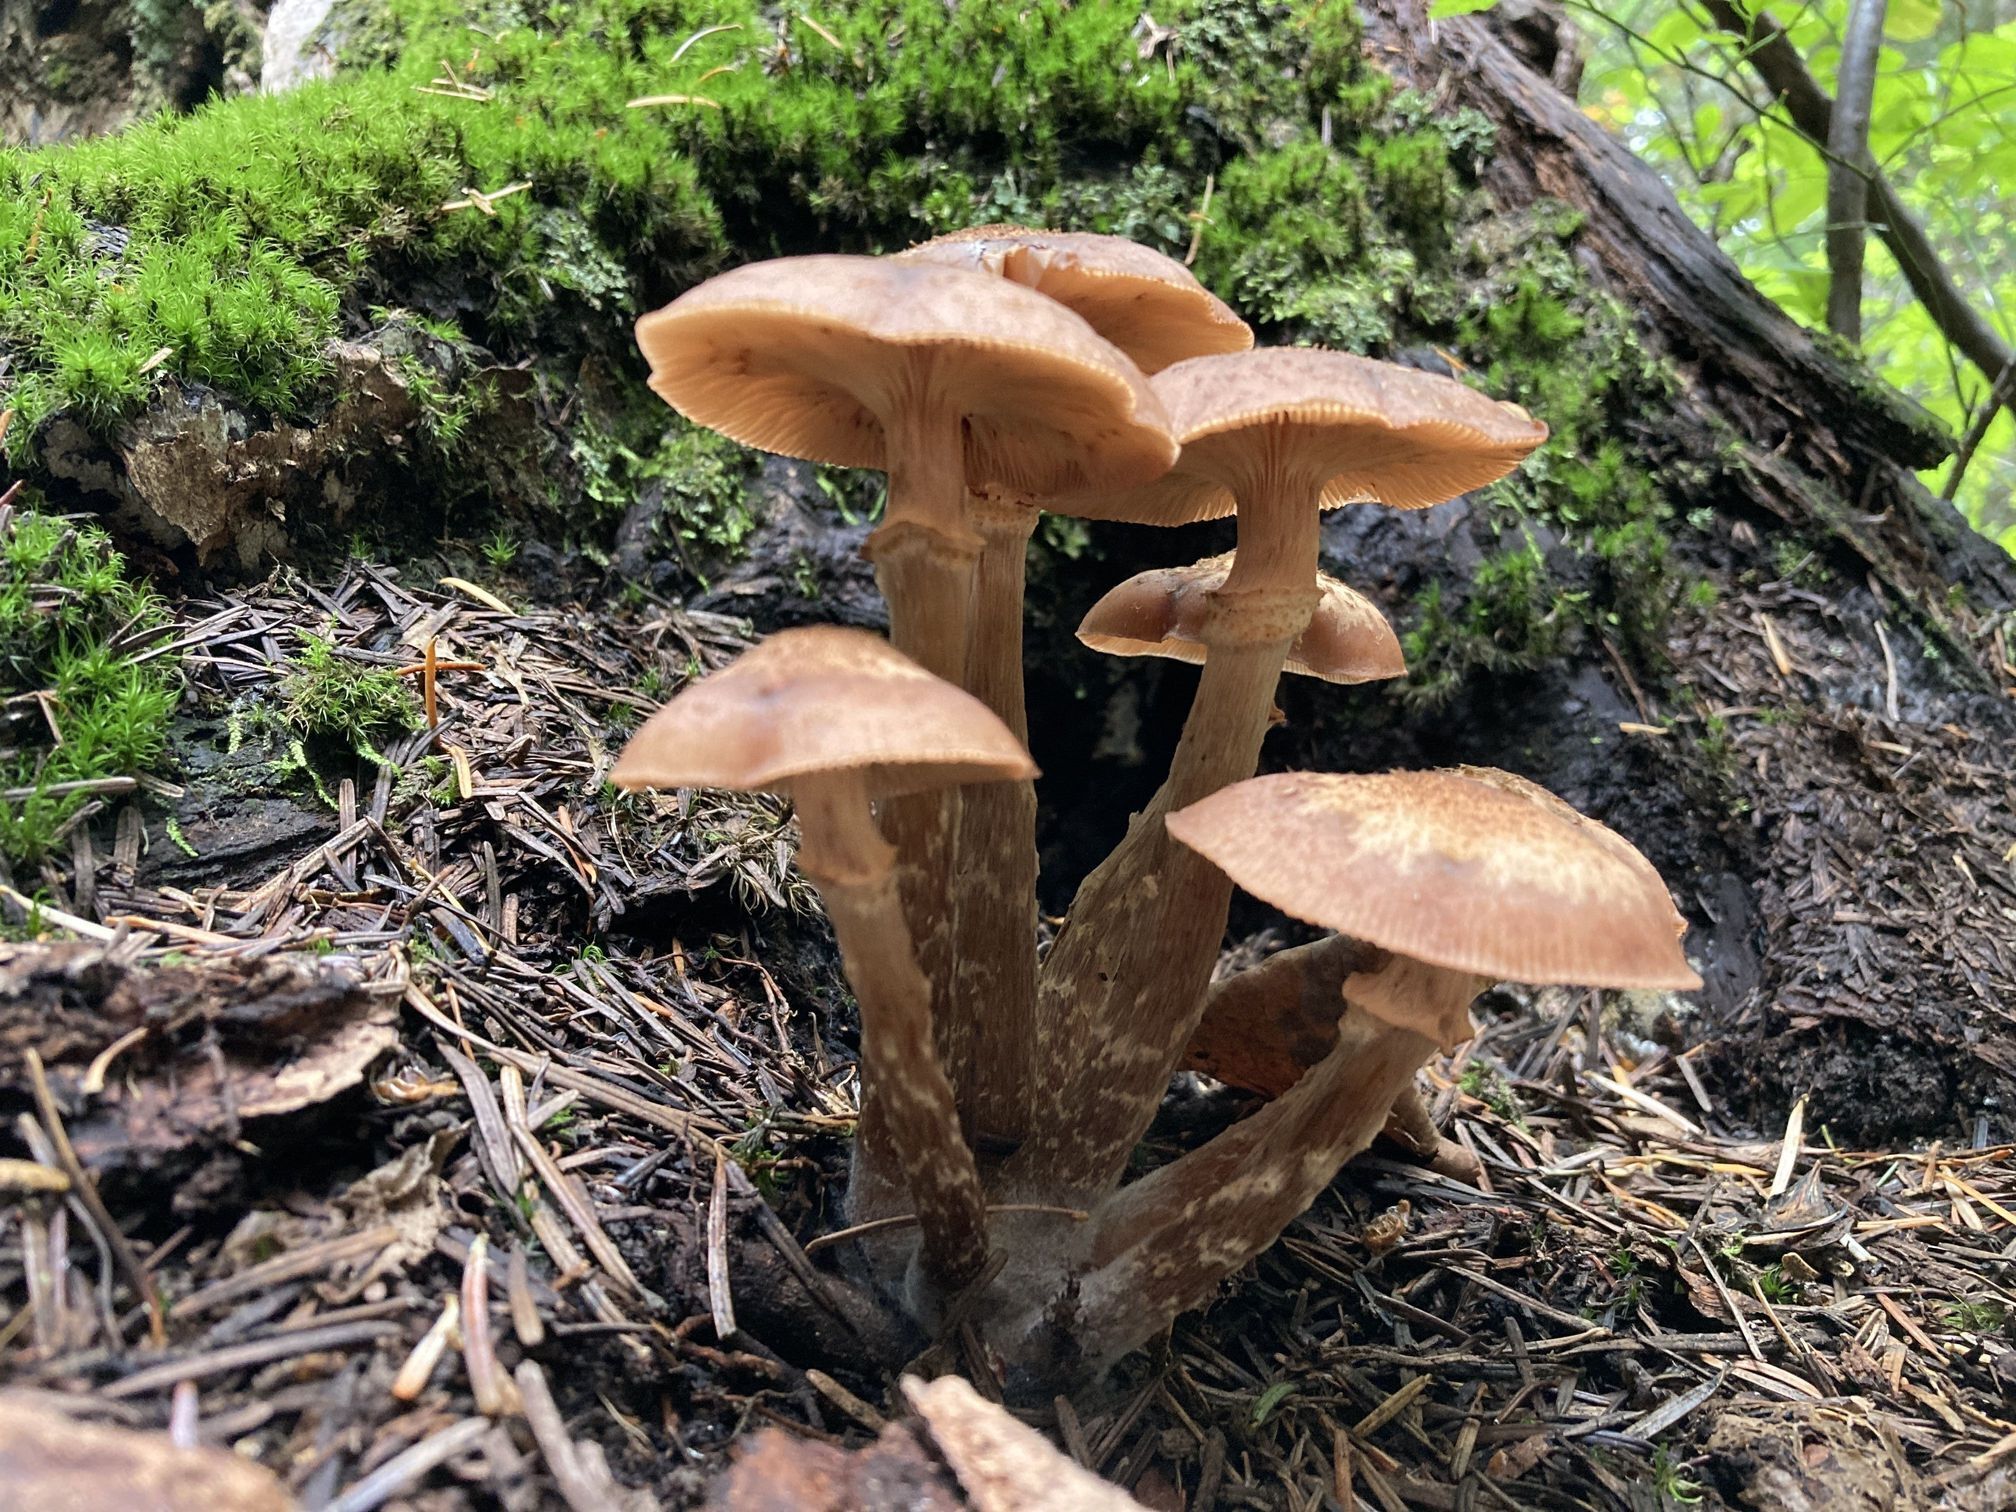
x=1162 y=1245
x=1123 y=986
x=909 y=1131
x=924 y=555
x=988 y=1038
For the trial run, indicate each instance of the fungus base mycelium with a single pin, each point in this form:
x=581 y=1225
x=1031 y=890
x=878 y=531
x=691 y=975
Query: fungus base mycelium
x=1000 y=1100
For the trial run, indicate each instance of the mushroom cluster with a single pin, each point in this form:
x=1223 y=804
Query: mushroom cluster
x=995 y=374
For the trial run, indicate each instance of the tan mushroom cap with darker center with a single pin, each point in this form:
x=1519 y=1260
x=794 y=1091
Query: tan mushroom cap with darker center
x=1148 y=305
x=812 y=357
x=1471 y=876
x=807 y=702
x=1356 y=430
x=1162 y=612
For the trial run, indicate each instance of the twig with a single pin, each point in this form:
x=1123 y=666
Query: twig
x=910 y=1220
x=85 y=1191
x=1850 y=166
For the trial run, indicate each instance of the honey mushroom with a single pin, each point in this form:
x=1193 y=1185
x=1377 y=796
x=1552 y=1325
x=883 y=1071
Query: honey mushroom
x=1277 y=436
x=1153 y=309
x=1451 y=881
x=835 y=719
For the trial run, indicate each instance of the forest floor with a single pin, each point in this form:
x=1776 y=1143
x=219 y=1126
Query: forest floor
x=313 y=1041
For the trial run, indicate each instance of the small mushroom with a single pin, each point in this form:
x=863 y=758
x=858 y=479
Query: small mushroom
x=837 y=719
x=1455 y=880
x=1152 y=308
x=1161 y=612
x=1279 y=435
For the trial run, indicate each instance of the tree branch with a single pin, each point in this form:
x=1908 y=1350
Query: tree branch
x=1778 y=63
x=1850 y=167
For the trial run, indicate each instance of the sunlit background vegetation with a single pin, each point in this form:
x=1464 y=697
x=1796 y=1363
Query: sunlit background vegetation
x=1943 y=131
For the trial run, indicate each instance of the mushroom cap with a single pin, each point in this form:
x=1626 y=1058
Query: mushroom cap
x=1469 y=872
x=804 y=702
x=1363 y=431
x=1161 y=613
x=1148 y=305
x=813 y=356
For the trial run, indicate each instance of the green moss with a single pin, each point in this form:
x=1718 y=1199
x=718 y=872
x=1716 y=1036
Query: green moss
x=1324 y=203
x=329 y=698
x=71 y=622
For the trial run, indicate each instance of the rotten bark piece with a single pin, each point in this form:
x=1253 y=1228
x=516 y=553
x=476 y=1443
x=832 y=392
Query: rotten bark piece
x=835 y=718
x=1005 y=1465
x=185 y=1052
x=50 y=1460
x=775 y=1471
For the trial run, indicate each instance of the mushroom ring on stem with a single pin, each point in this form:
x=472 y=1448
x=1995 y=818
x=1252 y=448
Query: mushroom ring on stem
x=1279 y=435
x=836 y=719
x=1152 y=308
x=1448 y=881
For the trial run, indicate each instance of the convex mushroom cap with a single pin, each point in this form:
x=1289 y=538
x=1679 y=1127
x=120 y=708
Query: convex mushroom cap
x=1162 y=612
x=1474 y=876
x=1148 y=305
x=820 y=357
x=804 y=703
x=1352 y=429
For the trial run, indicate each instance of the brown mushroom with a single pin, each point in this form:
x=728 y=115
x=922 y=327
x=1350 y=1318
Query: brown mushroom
x=1153 y=309
x=1281 y=435
x=944 y=378
x=836 y=719
x=1161 y=612
x=1456 y=882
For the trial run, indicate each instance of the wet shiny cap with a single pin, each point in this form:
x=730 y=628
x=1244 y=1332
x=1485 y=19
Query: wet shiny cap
x=1148 y=305
x=1161 y=613
x=1476 y=876
x=805 y=702
x=820 y=357
x=1351 y=429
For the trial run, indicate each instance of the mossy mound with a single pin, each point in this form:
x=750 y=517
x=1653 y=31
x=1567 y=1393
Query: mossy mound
x=503 y=176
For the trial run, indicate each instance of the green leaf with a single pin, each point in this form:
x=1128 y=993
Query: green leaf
x=1280 y=1391
x=1911 y=20
x=1443 y=8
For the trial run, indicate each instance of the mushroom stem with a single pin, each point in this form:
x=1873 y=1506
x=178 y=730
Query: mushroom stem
x=924 y=555
x=909 y=1131
x=1162 y=1245
x=1121 y=989
x=987 y=1038
x=1124 y=984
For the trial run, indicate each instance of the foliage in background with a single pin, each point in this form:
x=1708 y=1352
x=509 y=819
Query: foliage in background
x=75 y=707
x=1943 y=132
